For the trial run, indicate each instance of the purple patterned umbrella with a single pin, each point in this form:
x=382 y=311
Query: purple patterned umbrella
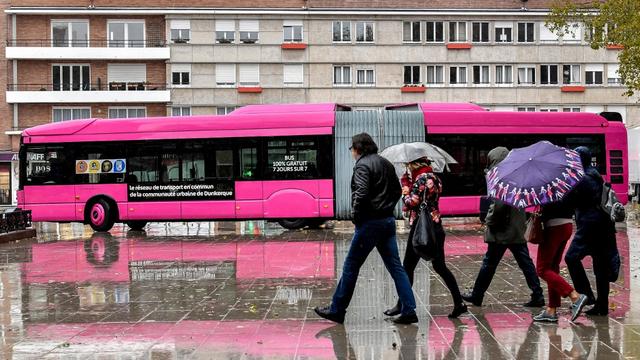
x=535 y=175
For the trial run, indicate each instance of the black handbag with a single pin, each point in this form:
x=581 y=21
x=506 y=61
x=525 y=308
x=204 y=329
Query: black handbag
x=424 y=240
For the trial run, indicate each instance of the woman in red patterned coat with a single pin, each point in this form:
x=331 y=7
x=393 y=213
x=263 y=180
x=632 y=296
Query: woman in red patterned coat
x=425 y=186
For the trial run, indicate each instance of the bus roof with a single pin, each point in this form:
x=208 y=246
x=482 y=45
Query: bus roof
x=435 y=106
x=484 y=119
x=289 y=108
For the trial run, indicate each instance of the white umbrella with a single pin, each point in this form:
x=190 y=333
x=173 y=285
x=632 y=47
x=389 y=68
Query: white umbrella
x=407 y=152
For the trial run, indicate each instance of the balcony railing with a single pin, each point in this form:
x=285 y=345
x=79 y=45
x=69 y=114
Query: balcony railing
x=150 y=43
x=112 y=86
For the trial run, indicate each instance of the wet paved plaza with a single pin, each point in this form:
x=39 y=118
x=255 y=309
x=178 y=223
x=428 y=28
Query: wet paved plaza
x=247 y=291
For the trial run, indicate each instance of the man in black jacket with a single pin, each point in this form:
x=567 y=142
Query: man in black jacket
x=375 y=191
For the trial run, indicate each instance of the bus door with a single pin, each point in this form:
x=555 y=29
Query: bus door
x=249 y=197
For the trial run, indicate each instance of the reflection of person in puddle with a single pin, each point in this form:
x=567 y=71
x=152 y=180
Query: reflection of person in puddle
x=454 y=348
x=341 y=345
x=101 y=249
x=581 y=343
x=491 y=349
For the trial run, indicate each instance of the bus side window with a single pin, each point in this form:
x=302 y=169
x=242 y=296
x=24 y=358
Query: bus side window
x=248 y=163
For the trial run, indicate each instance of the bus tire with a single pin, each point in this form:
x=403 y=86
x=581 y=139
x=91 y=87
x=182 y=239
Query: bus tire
x=101 y=216
x=316 y=223
x=136 y=225
x=293 y=224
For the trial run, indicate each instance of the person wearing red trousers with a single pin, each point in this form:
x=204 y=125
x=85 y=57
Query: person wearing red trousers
x=558 y=226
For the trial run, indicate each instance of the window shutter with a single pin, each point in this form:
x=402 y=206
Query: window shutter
x=594 y=67
x=249 y=25
x=225 y=74
x=612 y=71
x=293 y=74
x=180 y=24
x=503 y=24
x=292 y=23
x=594 y=109
x=546 y=34
x=249 y=74
x=225 y=25
x=574 y=32
x=180 y=68
x=127 y=72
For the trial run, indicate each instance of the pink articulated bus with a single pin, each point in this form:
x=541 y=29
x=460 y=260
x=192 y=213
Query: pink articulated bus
x=283 y=163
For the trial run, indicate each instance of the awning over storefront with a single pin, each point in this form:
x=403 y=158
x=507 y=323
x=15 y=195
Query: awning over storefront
x=8 y=156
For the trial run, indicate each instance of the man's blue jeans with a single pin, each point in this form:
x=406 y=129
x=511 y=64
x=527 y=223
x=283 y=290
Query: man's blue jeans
x=379 y=234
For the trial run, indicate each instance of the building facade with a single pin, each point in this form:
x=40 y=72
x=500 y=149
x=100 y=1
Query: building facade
x=82 y=58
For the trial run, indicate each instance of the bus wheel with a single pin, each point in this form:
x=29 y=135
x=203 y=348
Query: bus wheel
x=136 y=225
x=316 y=223
x=101 y=216
x=293 y=224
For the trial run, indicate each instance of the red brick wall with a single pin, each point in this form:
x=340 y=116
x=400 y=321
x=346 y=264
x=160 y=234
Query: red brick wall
x=6 y=113
x=39 y=71
x=164 y=3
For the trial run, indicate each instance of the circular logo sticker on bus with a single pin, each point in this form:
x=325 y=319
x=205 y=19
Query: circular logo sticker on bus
x=81 y=167
x=119 y=166
x=94 y=166
x=107 y=166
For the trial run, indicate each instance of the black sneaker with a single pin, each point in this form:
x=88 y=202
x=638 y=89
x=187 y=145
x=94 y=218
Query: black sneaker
x=468 y=297
x=325 y=313
x=535 y=302
x=457 y=311
x=406 y=319
x=393 y=311
x=597 y=311
x=576 y=307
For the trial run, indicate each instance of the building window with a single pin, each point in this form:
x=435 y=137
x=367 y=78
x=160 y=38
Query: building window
x=594 y=74
x=504 y=32
x=249 y=74
x=225 y=75
x=70 y=33
x=546 y=35
x=457 y=31
x=435 y=74
x=292 y=31
x=435 y=31
x=341 y=31
x=180 y=31
x=365 y=77
x=526 y=108
x=180 y=111
x=549 y=74
x=126 y=76
x=573 y=33
x=249 y=30
x=225 y=31
x=225 y=110
x=480 y=31
x=547 y=109
x=128 y=33
x=504 y=74
x=525 y=32
x=457 y=75
x=571 y=109
x=364 y=31
x=613 y=74
x=481 y=74
x=293 y=74
x=71 y=77
x=412 y=31
x=342 y=75
x=122 y=112
x=570 y=74
x=527 y=75
x=412 y=74
x=180 y=74
x=69 y=113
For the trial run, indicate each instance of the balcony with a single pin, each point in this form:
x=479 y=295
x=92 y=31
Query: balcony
x=46 y=49
x=88 y=93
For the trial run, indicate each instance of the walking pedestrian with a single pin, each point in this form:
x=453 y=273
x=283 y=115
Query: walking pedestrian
x=375 y=191
x=557 y=219
x=424 y=187
x=595 y=236
x=505 y=230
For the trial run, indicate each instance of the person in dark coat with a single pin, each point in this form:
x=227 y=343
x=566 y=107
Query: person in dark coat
x=595 y=236
x=375 y=191
x=505 y=230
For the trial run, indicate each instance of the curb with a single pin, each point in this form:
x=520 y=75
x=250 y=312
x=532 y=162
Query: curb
x=17 y=235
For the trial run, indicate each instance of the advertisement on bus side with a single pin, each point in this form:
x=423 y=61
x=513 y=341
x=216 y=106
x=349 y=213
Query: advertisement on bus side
x=181 y=191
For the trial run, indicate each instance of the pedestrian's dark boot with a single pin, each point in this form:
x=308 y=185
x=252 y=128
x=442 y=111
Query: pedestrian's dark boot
x=325 y=313
x=536 y=301
x=457 y=311
x=406 y=319
x=468 y=297
x=393 y=311
x=597 y=311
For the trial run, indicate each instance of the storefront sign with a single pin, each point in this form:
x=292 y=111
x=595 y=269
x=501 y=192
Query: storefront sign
x=101 y=166
x=8 y=156
x=181 y=192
